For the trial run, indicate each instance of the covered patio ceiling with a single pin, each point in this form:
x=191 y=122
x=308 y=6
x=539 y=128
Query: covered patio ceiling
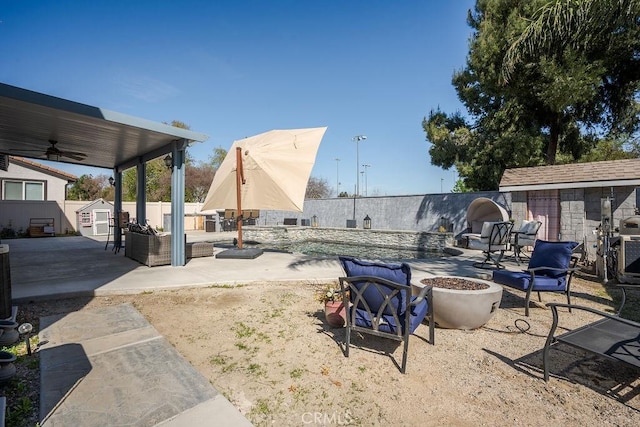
x=90 y=135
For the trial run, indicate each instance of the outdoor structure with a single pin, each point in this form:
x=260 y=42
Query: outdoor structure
x=94 y=219
x=483 y=210
x=36 y=125
x=567 y=199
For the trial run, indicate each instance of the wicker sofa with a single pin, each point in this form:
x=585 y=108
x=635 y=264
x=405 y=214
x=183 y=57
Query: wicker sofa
x=155 y=249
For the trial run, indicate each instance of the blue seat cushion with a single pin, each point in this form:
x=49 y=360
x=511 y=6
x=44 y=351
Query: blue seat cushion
x=396 y=272
x=388 y=323
x=374 y=295
x=522 y=280
x=552 y=255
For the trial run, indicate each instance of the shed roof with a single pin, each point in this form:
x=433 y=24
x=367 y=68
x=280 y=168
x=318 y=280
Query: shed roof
x=100 y=201
x=609 y=173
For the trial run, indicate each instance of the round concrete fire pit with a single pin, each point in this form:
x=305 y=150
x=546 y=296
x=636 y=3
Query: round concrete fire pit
x=462 y=302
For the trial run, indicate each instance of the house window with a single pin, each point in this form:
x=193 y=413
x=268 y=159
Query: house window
x=23 y=190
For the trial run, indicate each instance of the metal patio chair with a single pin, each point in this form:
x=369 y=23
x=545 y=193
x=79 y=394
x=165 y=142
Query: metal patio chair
x=379 y=302
x=494 y=241
x=550 y=269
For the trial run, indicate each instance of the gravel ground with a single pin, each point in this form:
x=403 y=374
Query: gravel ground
x=267 y=348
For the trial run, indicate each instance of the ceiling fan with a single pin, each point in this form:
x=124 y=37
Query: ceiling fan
x=55 y=154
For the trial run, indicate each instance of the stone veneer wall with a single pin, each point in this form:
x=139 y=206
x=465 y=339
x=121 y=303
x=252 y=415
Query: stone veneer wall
x=412 y=240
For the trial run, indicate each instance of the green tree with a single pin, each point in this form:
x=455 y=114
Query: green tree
x=554 y=105
x=460 y=187
x=89 y=188
x=198 y=177
x=216 y=159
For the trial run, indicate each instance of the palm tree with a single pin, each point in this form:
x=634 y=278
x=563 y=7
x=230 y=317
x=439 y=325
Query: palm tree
x=570 y=23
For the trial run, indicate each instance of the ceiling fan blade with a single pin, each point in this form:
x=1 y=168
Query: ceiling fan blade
x=74 y=156
x=74 y=153
x=20 y=150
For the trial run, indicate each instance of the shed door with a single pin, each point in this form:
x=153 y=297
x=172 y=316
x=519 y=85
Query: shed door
x=544 y=206
x=101 y=219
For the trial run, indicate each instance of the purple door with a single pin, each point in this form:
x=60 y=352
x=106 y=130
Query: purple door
x=544 y=206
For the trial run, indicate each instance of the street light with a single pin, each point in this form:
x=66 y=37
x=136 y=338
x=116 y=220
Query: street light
x=365 y=166
x=337 y=177
x=357 y=139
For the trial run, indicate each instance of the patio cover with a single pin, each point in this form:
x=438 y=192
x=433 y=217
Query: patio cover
x=28 y=120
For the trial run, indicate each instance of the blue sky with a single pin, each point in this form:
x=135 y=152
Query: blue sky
x=232 y=69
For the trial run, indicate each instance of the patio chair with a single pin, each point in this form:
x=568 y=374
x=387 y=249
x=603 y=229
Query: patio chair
x=550 y=269
x=494 y=238
x=379 y=302
x=523 y=237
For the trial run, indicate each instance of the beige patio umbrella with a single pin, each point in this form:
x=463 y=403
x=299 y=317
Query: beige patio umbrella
x=265 y=171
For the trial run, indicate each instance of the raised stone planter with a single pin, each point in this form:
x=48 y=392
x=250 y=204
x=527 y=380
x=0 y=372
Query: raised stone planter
x=463 y=308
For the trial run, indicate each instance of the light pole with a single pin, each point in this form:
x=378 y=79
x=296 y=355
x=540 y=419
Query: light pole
x=357 y=139
x=441 y=181
x=337 y=177
x=365 y=166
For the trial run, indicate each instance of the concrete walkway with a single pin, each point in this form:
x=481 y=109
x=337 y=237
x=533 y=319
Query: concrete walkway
x=109 y=366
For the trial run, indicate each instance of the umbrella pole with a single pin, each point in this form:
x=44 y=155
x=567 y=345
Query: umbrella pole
x=239 y=182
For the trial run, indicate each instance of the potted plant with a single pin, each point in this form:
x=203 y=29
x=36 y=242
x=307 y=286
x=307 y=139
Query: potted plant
x=334 y=310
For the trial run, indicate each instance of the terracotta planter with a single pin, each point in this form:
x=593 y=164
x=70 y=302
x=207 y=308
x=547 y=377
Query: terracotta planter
x=335 y=313
x=464 y=309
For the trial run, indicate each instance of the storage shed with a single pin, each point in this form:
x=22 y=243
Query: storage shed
x=568 y=199
x=94 y=219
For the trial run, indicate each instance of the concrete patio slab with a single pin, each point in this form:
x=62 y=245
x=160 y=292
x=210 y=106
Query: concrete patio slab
x=109 y=366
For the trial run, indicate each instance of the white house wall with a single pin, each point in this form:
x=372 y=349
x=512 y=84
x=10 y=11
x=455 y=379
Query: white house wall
x=54 y=186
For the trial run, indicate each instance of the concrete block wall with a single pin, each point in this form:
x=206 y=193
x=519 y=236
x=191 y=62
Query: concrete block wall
x=518 y=208
x=572 y=214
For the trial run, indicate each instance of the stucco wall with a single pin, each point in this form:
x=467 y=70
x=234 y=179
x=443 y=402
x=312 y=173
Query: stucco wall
x=16 y=214
x=416 y=213
x=54 y=186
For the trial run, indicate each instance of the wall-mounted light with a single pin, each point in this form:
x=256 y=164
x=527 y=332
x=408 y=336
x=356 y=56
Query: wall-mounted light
x=168 y=161
x=112 y=181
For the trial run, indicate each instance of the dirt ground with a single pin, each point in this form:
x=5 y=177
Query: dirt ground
x=267 y=348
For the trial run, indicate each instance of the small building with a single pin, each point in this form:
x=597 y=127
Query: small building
x=568 y=199
x=94 y=219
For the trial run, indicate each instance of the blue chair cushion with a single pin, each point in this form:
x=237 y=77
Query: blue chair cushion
x=522 y=280
x=396 y=272
x=388 y=323
x=553 y=255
